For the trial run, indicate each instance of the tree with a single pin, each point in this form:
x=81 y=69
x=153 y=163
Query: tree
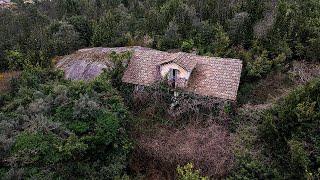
x=111 y=28
x=84 y=27
x=221 y=42
x=171 y=38
x=63 y=38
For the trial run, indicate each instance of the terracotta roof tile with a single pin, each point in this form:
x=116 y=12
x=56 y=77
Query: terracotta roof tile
x=210 y=76
x=182 y=59
x=217 y=77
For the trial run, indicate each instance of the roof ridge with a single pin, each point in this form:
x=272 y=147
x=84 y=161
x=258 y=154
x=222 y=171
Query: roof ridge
x=182 y=57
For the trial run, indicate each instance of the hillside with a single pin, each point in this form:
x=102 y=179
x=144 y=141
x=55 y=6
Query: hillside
x=65 y=112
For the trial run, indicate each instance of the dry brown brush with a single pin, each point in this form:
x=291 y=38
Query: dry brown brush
x=303 y=72
x=159 y=101
x=209 y=148
x=5 y=79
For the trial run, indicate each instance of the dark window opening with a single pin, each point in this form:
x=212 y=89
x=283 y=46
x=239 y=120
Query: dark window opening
x=173 y=77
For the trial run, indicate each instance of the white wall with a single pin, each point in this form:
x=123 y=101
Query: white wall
x=164 y=70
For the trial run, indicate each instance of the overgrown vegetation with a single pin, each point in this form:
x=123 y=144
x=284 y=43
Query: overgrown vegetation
x=265 y=34
x=51 y=128
x=291 y=133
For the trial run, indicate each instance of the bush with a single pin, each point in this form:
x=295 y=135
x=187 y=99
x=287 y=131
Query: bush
x=259 y=67
x=221 y=41
x=187 y=46
x=72 y=129
x=247 y=168
x=188 y=173
x=171 y=38
x=16 y=60
x=63 y=38
x=290 y=131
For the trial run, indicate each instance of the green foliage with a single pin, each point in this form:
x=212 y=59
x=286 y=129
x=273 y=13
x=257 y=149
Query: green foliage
x=247 y=168
x=250 y=163
x=187 y=46
x=84 y=27
x=85 y=121
x=211 y=38
x=260 y=66
x=45 y=149
x=187 y=172
x=120 y=64
x=73 y=129
x=15 y=60
x=45 y=29
x=221 y=41
x=240 y=28
x=290 y=127
x=244 y=92
x=111 y=28
x=297 y=25
x=63 y=38
x=171 y=37
x=68 y=7
x=312 y=49
x=299 y=156
x=121 y=60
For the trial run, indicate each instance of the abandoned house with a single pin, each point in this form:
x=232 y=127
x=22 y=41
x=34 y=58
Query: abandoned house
x=202 y=75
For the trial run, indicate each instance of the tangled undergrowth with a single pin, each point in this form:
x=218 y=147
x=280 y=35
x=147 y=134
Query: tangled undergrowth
x=209 y=148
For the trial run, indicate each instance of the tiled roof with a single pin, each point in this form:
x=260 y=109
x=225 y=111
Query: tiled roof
x=216 y=77
x=182 y=59
x=186 y=61
x=143 y=68
x=210 y=76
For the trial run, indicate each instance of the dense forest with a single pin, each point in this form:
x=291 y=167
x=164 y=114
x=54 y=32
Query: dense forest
x=53 y=128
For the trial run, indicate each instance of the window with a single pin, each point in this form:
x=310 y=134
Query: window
x=173 y=77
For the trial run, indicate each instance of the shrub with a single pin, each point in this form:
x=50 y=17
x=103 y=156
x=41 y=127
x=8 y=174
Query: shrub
x=188 y=173
x=260 y=66
x=16 y=60
x=72 y=129
x=221 y=42
x=290 y=131
x=157 y=101
x=63 y=38
x=247 y=168
x=187 y=45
